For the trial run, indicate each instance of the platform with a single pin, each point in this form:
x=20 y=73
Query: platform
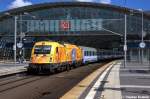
x=10 y=68
x=114 y=82
x=135 y=80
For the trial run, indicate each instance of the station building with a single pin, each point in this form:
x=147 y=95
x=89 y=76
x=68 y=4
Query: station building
x=88 y=24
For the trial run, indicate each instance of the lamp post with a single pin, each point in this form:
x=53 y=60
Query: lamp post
x=15 y=39
x=20 y=41
x=125 y=42
x=142 y=36
x=142 y=24
x=125 y=36
x=15 y=35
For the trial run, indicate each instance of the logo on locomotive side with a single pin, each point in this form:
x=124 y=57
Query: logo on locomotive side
x=73 y=54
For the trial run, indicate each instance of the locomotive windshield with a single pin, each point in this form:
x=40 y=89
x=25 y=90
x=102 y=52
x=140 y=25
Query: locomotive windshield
x=42 y=49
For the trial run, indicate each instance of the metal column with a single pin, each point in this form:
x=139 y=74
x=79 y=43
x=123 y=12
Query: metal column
x=15 y=41
x=125 y=42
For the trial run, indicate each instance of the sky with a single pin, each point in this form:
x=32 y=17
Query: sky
x=134 y=4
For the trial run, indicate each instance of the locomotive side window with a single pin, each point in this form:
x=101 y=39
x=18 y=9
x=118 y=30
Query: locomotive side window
x=42 y=49
x=56 y=49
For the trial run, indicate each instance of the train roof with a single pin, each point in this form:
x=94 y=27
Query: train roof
x=88 y=48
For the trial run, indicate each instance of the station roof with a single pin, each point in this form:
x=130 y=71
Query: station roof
x=31 y=8
x=103 y=41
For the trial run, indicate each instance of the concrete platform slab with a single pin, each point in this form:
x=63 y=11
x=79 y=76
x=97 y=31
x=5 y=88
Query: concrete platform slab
x=135 y=80
x=10 y=68
x=86 y=88
x=110 y=91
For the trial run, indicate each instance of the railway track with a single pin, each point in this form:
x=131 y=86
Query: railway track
x=18 y=81
x=31 y=86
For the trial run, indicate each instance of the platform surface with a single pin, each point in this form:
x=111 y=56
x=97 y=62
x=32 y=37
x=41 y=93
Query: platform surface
x=11 y=68
x=115 y=82
x=135 y=80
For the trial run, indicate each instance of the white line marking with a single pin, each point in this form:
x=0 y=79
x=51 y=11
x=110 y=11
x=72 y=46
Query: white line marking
x=127 y=86
x=113 y=79
x=136 y=66
x=133 y=75
x=135 y=69
x=92 y=92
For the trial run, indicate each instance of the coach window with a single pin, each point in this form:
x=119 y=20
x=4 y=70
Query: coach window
x=87 y=53
x=92 y=53
x=84 y=53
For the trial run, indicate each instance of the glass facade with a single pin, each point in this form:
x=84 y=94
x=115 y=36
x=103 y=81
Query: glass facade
x=67 y=20
x=79 y=19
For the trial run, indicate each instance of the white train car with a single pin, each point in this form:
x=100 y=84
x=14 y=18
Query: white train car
x=89 y=54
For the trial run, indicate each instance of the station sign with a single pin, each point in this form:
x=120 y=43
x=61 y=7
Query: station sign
x=73 y=25
x=22 y=35
x=142 y=45
x=125 y=47
x=65 y=25
x=14 y=47
x=19 y=45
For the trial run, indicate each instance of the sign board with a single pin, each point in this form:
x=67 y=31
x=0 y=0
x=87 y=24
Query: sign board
x=144 y=33
x=142 y=45
x=22 y=35
x=19 y=45
x=14 y=47
x=125 y=47
x=65 y=25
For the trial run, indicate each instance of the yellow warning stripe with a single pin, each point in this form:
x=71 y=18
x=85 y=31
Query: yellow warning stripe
x=76 y=91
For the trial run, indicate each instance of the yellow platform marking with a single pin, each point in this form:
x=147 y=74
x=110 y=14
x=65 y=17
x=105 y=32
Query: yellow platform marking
x=76 y=91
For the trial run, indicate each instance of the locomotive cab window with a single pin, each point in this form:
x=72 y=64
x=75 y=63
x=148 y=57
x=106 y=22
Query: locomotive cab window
x=42 y=49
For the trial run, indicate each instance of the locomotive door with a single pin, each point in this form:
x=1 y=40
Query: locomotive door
x=61 y=55
x=57 y=55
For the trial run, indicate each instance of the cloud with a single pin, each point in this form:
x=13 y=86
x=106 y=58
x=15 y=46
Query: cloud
x=85 y=0
x=105 y=1
x=19 y=3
